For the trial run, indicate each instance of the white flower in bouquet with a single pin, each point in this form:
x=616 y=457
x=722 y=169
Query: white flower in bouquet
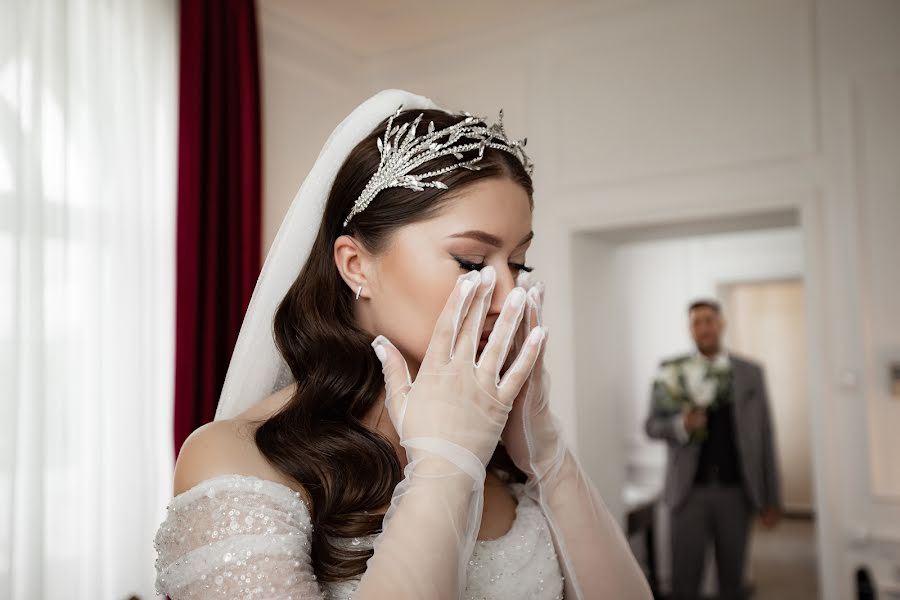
x=700 y=388
x=721 y=363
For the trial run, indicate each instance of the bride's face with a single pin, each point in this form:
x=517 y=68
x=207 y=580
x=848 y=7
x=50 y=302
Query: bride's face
x=489 y=223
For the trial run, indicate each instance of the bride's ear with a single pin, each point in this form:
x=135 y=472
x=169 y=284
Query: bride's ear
x=354 y=263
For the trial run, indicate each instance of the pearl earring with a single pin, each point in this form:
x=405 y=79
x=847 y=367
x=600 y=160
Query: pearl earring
x=358 y=292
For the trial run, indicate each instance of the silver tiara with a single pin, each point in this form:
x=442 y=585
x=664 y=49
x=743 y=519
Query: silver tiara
x=401 y=154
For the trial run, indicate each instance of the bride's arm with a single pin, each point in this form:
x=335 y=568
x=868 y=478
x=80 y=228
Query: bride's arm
x=435 y=512
x=594 y=555
x=431 y=523
x=234 y=527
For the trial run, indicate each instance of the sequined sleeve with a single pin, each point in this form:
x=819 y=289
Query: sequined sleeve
x=236 y=537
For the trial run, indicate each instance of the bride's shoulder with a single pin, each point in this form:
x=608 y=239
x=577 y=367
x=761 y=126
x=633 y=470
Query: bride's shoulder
x=226 y=447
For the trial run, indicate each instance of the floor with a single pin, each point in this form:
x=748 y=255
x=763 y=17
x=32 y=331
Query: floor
x=783 y=561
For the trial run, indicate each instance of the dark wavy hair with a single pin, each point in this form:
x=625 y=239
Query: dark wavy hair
x=318 y=438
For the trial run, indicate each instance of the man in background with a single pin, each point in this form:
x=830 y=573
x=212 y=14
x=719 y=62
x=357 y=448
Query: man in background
x=712 y=409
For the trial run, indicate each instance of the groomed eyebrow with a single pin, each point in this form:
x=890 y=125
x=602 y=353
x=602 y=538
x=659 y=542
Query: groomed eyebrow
x=487 y=238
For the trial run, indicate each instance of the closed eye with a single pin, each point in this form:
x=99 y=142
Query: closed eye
x=471 y=266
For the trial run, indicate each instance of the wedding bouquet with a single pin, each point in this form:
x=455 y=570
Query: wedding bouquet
x=691 y=383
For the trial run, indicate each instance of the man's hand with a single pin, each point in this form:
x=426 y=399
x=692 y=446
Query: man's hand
x=694 y=419
x=770 y=517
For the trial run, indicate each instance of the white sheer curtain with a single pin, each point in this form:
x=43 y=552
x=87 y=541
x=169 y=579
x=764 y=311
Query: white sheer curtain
x=88 y=118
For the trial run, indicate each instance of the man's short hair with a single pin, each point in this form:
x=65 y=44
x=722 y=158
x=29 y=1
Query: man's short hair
x=705 y=302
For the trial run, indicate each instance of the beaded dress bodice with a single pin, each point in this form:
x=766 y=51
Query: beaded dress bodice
x=237 y=536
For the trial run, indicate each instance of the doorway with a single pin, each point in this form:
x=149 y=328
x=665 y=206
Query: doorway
x=643 y=279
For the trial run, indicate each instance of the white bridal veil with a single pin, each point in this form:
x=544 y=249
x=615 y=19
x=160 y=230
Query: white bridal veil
x=256 y=368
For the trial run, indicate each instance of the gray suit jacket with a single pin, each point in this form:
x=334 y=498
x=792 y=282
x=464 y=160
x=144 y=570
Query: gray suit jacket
x=755 y=440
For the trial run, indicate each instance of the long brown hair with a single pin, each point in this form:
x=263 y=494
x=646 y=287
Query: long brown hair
x=318 y=437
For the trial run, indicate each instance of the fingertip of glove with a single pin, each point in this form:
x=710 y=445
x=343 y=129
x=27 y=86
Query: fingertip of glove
x=523 y=279
x=378 y=345
x=536 y=336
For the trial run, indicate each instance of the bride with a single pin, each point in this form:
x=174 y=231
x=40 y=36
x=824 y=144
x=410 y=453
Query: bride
x=384 y=430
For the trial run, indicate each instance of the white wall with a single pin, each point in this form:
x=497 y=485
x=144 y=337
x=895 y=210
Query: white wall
x=658 y=112
x=309 y=86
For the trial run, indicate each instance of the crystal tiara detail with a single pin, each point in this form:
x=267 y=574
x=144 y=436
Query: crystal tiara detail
x=401 y=154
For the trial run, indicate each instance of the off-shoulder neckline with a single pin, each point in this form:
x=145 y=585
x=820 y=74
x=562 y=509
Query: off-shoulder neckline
x=291 y=495
x=273 y=487
x=517 y=523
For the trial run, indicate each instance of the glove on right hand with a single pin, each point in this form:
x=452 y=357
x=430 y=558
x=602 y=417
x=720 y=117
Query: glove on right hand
x=456 y=408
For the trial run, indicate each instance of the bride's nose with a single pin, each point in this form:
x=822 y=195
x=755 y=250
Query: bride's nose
x=506 y=281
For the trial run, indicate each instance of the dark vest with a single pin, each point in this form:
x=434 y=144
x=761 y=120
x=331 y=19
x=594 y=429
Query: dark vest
x=718 y=462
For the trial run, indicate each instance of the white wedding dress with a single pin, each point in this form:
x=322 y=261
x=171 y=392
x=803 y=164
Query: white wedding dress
x=238 y=536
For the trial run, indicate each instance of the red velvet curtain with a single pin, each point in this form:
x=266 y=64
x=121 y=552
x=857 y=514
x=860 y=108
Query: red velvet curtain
x=219 y=199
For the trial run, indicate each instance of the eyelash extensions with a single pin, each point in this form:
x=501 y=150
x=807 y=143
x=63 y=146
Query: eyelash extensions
x=478 y=266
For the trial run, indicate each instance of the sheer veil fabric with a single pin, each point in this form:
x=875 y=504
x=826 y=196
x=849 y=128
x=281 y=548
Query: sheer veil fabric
x=256 y=368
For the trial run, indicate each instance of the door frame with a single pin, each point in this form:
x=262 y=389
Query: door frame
x=573 y=237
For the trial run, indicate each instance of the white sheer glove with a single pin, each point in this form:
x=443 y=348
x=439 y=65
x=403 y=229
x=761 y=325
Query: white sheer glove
x=594 y=556
x=449 y=421
x=533 y=435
